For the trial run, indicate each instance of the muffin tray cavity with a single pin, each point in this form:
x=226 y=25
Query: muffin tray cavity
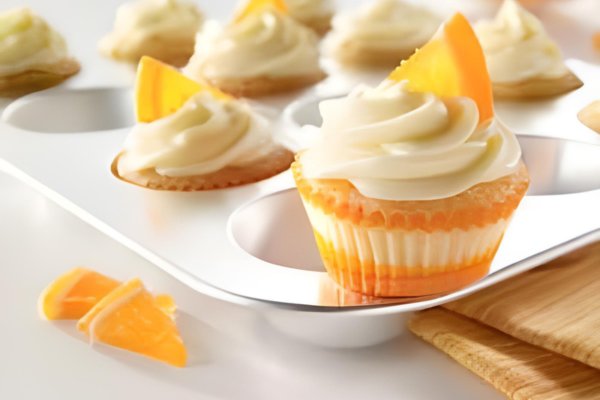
x=255 y=242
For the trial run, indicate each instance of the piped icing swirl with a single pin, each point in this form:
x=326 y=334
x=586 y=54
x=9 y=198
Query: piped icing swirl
x=393 y=144
x=27 y=42
x=517 y=47
x=204 y=136
x=149 y=20
x=385 y=25
x=305 y=10
x=264 y=44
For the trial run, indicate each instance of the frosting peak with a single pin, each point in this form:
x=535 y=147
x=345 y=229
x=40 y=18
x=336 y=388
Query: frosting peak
x=386 y=25
x=203 y=136
x=145 y=20
x=265 y=43
x=27 y=41
x=517 y=47
x=393 y=144
x=303 y=10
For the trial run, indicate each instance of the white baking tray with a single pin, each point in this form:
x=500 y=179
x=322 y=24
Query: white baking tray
x=255 y=241
x=62 y=143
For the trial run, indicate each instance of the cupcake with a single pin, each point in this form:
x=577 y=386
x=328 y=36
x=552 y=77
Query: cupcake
x=33 y=56
x=210 y=141
x=381 y=33
x=412 y=184
x=263 y=51
x=162 y=29
x=523 y=61
x=316 y=14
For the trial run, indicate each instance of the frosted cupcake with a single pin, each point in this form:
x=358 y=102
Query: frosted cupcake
x=212 y=141
x=162 y=29
x=33 y=56
x=381 y=33
x=409 y=191
x=316 y=14
x=522 y=59
x=264 y=51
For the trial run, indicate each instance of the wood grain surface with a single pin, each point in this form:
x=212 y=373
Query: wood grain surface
x=517 y=369
x=556 y=306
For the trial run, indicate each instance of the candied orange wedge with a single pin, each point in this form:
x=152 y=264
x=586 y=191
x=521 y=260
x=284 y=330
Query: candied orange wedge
x=132 y=319
x=254 y=6
x=451 y=64
x=160 y=90
x=74 y=293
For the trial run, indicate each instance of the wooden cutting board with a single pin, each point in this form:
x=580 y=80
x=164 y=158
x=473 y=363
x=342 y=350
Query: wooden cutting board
x=556 y=306
x=519 y=370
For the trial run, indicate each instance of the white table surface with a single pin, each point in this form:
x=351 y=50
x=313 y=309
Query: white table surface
x=234 y=353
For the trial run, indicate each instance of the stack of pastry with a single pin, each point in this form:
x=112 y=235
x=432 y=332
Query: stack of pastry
x=534 y=336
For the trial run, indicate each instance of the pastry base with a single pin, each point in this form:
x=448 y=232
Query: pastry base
x=351 y=54
x=278 y=161
x=537 y=87
x=37 y=79
x=263 y=86
x=401 y=263
x=176 y=53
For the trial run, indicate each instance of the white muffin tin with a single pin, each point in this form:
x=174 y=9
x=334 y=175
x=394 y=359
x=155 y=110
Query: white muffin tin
x=253 y=245
x=255 y=241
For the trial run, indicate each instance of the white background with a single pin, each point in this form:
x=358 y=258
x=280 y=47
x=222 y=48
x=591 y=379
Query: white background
x=234 y=354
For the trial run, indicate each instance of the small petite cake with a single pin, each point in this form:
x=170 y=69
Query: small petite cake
x=162 y=29
x=315 y=14
x=263 y=51
x=412 y=184
x=192 y=138
x=381 y=33
x=522 y=59
x=33 y=56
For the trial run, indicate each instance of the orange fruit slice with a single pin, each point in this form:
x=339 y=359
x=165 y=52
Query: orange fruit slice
x=74 y=293
x=160 y=90
x=132 y=319
x=451 y=64
x=254 y=6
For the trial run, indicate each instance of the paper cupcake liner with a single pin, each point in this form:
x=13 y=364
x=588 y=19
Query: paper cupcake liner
x=397 y=262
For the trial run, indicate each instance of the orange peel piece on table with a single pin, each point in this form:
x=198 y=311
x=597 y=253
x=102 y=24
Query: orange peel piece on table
x=132 y=319
x=250 y=7
x=74 y=293
x=160 y=90
x=451 y=64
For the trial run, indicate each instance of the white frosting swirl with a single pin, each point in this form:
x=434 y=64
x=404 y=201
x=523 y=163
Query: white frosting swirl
x=28 y=42
x=267 y=44
x=146 y=20
x=305 y=10
x=517 y=47
x=393 y=144
x=385 y=25
x=203 y=136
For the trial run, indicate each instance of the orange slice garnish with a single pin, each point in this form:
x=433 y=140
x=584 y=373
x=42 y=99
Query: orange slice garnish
x=132 y=319
x=451 y=64
x=74 y=293
x=160 y=90
x=254 y=6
